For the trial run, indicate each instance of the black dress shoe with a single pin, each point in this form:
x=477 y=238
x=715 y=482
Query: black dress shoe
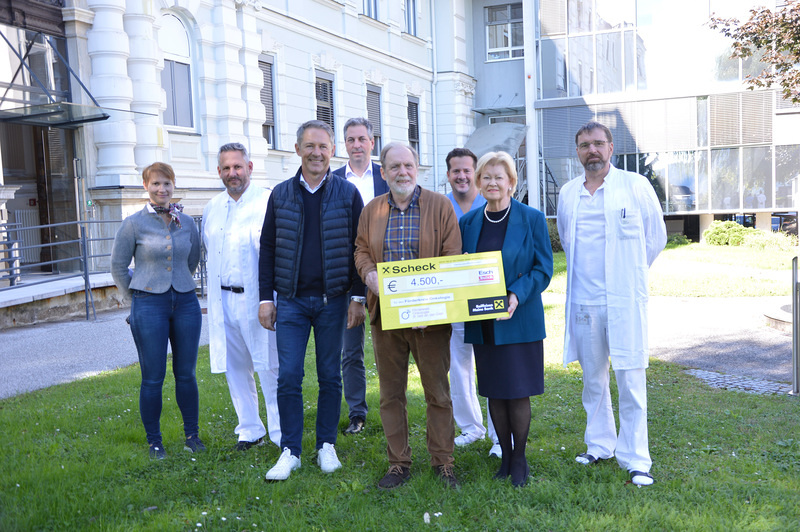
x=244 y=445
x=519 y=475
x=356 y=425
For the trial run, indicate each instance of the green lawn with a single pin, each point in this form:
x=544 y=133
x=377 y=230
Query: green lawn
x=74 y=458
x=698 y=270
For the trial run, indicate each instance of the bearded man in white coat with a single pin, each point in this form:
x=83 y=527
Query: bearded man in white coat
x=612 y=229
x=239 y=345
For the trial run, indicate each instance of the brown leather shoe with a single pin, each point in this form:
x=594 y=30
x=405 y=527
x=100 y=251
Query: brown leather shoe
x=396 y=476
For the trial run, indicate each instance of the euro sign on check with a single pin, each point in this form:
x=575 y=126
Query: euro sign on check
x=442 y=290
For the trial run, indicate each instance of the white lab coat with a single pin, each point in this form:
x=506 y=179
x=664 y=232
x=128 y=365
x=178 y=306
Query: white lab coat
x=635 y=235
x=214 y=216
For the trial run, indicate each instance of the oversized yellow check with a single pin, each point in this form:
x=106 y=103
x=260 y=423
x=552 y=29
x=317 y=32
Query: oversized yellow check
x=442 y=290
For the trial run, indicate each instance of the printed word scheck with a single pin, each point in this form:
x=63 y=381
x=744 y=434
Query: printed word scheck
x=397 y=269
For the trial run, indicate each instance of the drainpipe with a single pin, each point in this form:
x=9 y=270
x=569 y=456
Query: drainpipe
x=532 y=136
x=434 y=82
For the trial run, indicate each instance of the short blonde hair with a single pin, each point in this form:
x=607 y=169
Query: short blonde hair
x=158 y=168
x=502 y=158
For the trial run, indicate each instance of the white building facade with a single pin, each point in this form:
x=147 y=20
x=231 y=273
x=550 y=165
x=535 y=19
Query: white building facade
x=179 y=78
x=677 y=105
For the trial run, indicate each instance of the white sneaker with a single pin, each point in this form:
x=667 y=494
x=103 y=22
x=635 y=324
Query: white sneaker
x=327 y=459
x=641 y=478
x=284 y=467
x=466 y=439
x=496 y=450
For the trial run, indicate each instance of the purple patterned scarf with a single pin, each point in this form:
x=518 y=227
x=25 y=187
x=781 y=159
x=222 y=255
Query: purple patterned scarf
x=172 y=210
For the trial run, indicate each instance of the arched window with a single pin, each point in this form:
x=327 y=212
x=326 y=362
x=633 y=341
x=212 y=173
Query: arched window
x=176 y=78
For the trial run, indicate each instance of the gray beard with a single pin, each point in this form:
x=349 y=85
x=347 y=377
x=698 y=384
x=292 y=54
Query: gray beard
x=595 y=166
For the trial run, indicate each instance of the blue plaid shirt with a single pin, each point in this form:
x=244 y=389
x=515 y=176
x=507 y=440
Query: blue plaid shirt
x=401 y=241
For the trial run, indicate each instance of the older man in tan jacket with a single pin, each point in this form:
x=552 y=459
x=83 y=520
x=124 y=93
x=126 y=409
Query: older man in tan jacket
x=409 y=223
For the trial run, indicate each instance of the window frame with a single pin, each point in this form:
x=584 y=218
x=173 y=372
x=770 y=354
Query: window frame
x=413 y=122
x=179 y=111
x=411 y=17
x=374 y=117
x=370 y=9
x=509 y=23
x=175 y=112
x=327 y=79
x=268 y=128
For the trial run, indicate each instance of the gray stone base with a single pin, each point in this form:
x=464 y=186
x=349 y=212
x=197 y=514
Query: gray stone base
x=61 y=307
x=740 y=384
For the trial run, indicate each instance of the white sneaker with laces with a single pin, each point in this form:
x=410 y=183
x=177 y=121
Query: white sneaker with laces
x=466 y=439
x=327 y=459
x=496 y=450
x=284 y=467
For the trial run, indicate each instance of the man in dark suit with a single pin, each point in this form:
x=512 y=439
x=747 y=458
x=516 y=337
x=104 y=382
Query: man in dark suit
x=366 y=176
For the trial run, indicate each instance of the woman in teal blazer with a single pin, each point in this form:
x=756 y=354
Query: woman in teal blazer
x=509 y=356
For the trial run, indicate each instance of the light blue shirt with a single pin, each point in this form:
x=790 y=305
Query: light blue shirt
x=479 y=202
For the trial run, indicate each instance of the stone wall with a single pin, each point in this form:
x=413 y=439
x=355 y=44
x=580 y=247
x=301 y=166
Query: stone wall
x=63 y=307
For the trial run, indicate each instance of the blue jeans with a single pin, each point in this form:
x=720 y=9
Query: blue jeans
x=156 y=318
x=293 y=324
x=354 y=378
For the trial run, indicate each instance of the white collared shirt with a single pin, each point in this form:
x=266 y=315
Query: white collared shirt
x=231 y=269
x=308 y=187
x=589 y=277
x=364 y=183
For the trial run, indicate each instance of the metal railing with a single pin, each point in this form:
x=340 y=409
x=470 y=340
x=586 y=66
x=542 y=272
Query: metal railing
x=83 y=249
x=201 y=275
x=10 y=254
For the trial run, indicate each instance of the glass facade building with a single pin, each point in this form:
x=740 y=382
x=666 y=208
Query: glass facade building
x=664 y=83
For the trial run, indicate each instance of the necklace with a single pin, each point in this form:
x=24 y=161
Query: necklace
x=486 y=214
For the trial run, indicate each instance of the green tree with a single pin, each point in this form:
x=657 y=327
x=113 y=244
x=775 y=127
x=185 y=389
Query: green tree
x=776 y=35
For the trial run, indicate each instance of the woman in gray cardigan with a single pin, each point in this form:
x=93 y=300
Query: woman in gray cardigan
x=165 y=247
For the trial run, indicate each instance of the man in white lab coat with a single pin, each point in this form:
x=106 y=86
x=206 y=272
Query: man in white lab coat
x=612 y=229
x=239 y=345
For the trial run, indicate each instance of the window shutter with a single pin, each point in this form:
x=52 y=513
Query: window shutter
x=413 y=123
x=374 y=110
x=324 y=89
x=266 y=93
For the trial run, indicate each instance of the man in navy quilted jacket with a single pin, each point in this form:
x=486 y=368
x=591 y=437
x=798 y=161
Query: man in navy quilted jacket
x=307 y=245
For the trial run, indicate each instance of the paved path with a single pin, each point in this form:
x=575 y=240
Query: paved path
x=46 y=354
x=722 y=335
x=728 y=336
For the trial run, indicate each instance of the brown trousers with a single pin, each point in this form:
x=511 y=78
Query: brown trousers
x=431 y=350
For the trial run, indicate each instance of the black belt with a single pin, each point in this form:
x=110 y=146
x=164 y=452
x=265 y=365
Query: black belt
x=234 y=289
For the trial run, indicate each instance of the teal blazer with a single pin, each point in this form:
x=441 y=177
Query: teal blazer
x=528 y=267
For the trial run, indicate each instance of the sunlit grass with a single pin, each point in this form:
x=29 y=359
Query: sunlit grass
x=74 y=456
x=699 y=270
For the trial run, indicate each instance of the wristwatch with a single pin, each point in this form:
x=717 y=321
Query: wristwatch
x=358 y=299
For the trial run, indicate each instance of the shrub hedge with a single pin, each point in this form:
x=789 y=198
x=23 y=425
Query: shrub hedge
x=732 y=234
x=555 y=240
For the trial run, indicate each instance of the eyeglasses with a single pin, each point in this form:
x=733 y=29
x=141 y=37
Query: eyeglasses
x=599 y=144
